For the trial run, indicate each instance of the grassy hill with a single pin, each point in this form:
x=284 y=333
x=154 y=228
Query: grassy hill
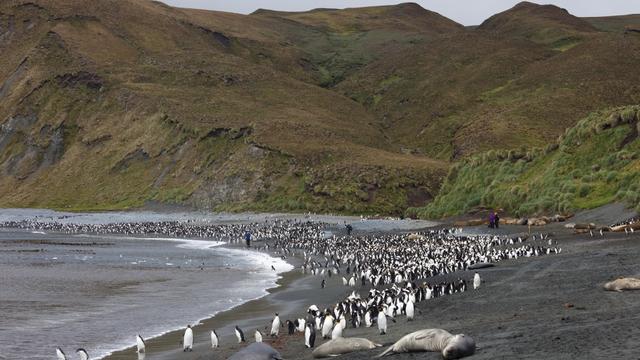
x=594 y=163
x=123 y=102
x=543 y=24
x=480 y=89
x=109 y=104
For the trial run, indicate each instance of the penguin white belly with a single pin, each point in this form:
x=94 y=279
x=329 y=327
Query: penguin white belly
x=327 y=327
x=214 y=340
x=275 y=327
x=410 y=310
x=140 y=344
x=337 y=331
x=188 y=340
x=382 y=323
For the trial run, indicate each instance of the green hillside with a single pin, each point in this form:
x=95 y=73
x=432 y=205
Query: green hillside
x=594 y=163
x=111 y=104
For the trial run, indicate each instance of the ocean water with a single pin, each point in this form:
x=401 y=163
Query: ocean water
x=98 y=291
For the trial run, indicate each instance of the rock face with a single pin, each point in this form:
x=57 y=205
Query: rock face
x=114 y=103
x=110 y=97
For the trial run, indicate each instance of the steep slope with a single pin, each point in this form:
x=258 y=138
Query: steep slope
x=478 y=90
x=594 y=163
x=544 y=24
x=338 y=43
x=115 y=103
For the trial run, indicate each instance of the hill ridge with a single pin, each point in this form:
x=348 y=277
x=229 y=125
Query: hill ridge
x=352 y=111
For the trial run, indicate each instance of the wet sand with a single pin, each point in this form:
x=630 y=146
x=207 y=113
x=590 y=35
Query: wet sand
x=289 y=299
x=544 y=307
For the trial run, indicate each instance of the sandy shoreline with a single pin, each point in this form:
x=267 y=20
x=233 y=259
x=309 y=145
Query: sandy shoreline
x=290 y=297
x=543 y=307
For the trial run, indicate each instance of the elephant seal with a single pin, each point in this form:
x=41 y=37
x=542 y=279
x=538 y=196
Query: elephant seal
x=623 y=284
x=339 y=346
x=257 y=351
x=451 y=346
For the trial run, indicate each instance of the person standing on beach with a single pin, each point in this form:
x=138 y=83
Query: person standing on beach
x=247 y=238
x=492 y=219
x=496 y=221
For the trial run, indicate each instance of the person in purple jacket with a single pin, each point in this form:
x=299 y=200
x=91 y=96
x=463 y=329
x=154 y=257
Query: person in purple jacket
x=492 y=219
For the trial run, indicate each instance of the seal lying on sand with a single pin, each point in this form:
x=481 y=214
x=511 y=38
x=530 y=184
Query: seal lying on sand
x=257 y=351
x=339 y=346
x=451 y=346
x=623 y=284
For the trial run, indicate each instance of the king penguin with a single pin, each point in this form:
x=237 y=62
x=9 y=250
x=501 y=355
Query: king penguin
x=309 y=336
x=337 y=330
x=410 y=310
x=83 y=354
x=476 y=281
x=141 y=346
x=382 y=322
x=275 y=326
x=187 y=342
x=327 y=326
x=60 y=354
x=214 y=339
x=258 y=336
x=239 y=335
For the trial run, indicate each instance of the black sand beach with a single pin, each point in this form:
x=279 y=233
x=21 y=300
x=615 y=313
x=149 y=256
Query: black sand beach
x=532 y=308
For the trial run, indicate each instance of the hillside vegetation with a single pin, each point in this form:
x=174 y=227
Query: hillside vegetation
x=111 y=104
x=594 y=163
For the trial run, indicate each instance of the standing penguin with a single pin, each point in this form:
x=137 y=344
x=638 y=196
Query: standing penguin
x=239 y=335
x=337 y=330
x=215 y=342
x=367 y=319
x=327 y=326
x=309 y=336
x=187 y=341
x=258 y=336
x=275 y=326
x=301 y=325
x=382 y=322
x=291 y=327
x=60 y=354
x=83 y=354
x=141 y=346
x=410 y=310
x=476 y=281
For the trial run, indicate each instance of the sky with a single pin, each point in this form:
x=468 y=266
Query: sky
x=466 y=12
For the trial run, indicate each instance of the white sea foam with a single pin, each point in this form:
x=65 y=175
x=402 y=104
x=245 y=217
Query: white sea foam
x=261 y=264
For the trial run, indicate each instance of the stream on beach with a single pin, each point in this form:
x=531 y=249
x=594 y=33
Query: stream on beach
x=98 y=291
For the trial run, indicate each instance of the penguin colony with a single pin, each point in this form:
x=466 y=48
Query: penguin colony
x=398 y=269
x=279 y=229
